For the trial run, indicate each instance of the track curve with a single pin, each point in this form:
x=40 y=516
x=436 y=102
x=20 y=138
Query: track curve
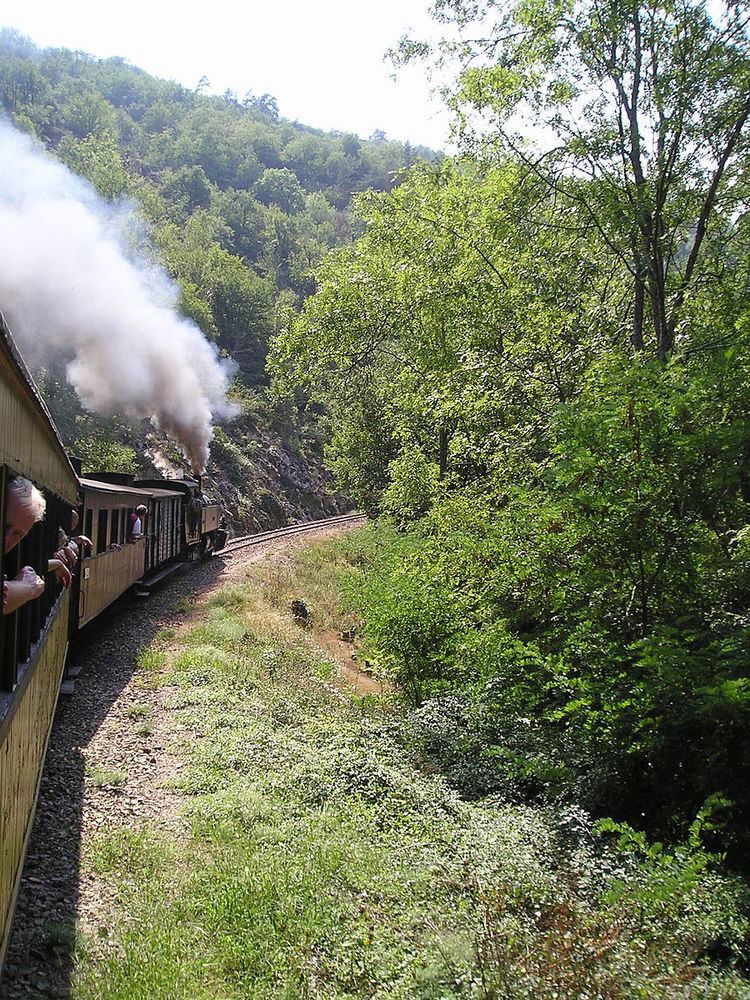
x=237 y=544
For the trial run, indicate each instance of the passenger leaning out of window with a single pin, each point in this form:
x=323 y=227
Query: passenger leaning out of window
x=136 y=522
x=24 y=507
x=70 y=547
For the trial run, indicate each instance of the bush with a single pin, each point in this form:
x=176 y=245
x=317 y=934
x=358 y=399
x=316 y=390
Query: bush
x=515 y=696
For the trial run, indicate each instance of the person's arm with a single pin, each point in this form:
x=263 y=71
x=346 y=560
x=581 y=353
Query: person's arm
x=61 y=571
x=24 y=587
x=82 y=540
x=70 y=553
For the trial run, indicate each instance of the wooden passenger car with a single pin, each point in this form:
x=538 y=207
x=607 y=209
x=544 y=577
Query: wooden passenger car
x=115 y=562
x=33 y=641
x=162 y=527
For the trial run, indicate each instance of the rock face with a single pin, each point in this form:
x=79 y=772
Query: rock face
x=268 y=478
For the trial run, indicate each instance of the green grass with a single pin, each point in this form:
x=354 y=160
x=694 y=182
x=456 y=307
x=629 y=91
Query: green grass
x=319 y=861
x=164 y=635
x=138 y=710
x=103 y=777
x=150 y=664
x=151 y=659
x=184 y=606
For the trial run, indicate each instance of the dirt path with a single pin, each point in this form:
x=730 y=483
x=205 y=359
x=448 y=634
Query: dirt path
x=109 y=764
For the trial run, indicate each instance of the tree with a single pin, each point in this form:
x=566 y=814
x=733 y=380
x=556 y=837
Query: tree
x=453 y=301
x=187 y=187
x=85 y=113
x=280 y=187
x=266 y=104
x=242 y=307
x=650 y=101
x=97 y=157
x=244 y=216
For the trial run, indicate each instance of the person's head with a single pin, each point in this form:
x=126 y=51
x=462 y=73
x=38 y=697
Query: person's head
x=141 y=510
x=24 y=506
x=73 y=519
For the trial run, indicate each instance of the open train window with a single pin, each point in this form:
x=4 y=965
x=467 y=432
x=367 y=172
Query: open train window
x=20 y=630
x=101 y=531
x=114 y=535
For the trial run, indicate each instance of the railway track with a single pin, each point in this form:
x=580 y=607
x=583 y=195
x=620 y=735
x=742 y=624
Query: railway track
x=236 y=544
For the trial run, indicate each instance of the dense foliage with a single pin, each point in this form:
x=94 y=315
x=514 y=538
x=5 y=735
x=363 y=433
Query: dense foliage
x=240 y=206
x=536 y=361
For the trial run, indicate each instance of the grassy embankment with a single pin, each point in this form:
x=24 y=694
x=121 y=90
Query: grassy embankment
x=321 y=859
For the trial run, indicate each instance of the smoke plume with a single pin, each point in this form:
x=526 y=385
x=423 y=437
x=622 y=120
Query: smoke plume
x=160 y=461
x=71 y=287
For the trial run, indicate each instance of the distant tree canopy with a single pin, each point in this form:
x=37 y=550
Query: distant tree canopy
x=243 y=203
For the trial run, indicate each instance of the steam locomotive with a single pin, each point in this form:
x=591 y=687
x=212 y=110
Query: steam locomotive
x=180 y=525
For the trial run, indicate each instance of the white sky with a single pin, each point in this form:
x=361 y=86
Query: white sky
x=321 y=59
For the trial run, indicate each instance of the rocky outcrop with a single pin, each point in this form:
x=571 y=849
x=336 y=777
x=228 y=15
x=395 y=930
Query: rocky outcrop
x=267 y=478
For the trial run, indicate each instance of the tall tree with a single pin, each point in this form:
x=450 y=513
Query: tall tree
x=651 y=101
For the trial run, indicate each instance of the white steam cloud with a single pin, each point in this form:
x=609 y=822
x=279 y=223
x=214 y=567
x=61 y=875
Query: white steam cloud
x=70 y=287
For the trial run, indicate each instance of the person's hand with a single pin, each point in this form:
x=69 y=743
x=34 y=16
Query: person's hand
x=25 y=586
x=61 y=571
x=82 y=540
x=71 y=554
x=34 y=584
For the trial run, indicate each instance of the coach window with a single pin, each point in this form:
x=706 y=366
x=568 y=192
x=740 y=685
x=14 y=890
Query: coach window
x=115 y=529
x=101 y=531
x=21 y=630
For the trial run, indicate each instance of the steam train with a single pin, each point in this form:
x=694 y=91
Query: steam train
x=180 y=525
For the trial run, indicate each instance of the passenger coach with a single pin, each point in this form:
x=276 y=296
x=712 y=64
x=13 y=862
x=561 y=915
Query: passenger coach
x=33 y=640
x=115 y=562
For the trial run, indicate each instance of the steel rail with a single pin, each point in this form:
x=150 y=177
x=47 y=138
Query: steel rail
x=236 y=544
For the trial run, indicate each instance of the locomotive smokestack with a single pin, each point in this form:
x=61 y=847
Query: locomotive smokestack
x=72 y=288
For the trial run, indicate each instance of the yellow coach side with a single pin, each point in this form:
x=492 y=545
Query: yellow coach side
x=33 y=641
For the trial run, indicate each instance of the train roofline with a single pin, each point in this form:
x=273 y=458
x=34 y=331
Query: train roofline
x=100 y=486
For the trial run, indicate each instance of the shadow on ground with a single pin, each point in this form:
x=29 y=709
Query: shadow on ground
x=39 y=958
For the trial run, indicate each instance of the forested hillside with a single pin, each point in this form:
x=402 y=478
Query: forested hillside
x=539 y=365
x=241 y=205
